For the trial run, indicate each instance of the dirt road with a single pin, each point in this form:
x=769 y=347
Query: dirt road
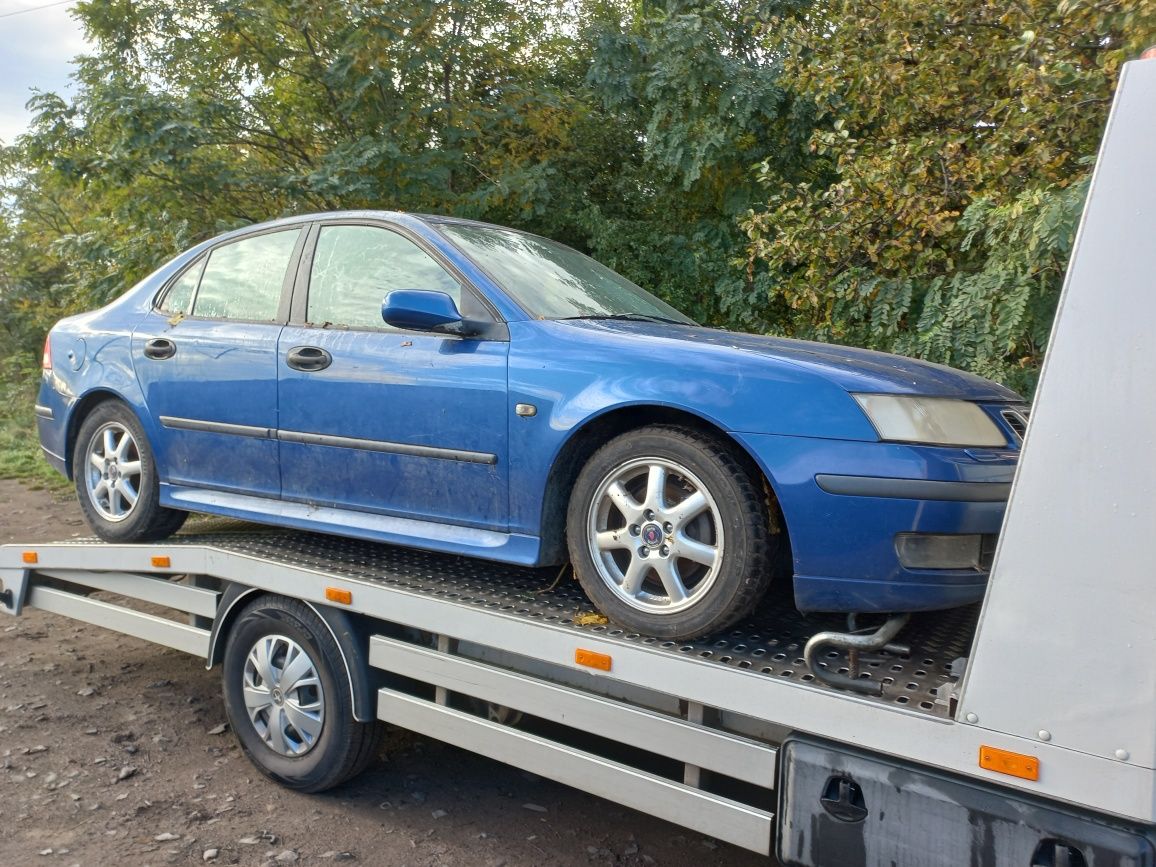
x=114 y=752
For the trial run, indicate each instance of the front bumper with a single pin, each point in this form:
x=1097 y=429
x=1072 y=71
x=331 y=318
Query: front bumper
x=845 y=502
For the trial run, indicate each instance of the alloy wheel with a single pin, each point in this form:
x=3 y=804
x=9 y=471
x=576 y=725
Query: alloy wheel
x=655 y=535
x=113 y=473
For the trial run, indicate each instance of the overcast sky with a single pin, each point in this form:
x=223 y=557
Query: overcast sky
x=35 y=49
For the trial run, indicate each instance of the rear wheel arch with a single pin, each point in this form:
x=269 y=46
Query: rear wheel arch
x=595 y=432
x=83 y=409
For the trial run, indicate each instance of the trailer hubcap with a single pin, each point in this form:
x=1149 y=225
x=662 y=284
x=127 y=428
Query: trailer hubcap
x=655 y=535
x=283 y=695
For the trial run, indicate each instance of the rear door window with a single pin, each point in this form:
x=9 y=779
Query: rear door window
x=243 y=280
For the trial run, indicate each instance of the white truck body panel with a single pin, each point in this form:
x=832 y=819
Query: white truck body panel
x=1066 y=647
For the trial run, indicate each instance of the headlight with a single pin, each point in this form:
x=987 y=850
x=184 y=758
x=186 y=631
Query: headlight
x=937 y=421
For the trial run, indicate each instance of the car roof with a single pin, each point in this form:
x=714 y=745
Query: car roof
x=367 y=213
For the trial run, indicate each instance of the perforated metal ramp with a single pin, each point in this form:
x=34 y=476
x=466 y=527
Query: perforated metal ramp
x=769 y=643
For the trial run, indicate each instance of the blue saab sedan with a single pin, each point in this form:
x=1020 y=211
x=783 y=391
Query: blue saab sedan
x=472 y=389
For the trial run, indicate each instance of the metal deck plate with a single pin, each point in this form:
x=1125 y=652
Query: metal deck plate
x=770 y=642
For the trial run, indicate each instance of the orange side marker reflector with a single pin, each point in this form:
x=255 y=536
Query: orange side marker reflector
x=590 y=659
x=1012 y=764
x=336 y=594
x=31 y=557
x=162 y=562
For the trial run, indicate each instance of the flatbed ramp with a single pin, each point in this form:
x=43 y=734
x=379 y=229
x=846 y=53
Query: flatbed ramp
x=514 y=663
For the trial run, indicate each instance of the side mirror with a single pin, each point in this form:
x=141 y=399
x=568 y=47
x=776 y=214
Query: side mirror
x=421 y=310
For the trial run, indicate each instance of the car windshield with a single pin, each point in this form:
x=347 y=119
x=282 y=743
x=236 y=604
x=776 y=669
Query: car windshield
x=553 y=281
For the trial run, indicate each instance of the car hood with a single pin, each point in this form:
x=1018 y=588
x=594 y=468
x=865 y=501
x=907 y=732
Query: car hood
x=856 y=370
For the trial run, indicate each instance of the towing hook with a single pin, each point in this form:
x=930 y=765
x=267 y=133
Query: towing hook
x=854 y=644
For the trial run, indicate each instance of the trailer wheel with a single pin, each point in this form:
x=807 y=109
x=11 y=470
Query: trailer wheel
x=116 y=478
x=288 y=698
x=669 y=533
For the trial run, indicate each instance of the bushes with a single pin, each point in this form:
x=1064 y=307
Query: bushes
x=899 y=174
x=955 y=142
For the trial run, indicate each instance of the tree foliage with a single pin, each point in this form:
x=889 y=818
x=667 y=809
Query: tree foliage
x=955 y=141
x=573 y=119
x=897 y=174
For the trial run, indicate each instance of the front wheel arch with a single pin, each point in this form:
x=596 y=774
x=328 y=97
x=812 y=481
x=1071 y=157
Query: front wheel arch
x=596 y=431
x=730 y=528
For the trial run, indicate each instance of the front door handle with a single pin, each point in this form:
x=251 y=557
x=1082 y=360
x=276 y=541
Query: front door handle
x=308 y=358
x=159 y=348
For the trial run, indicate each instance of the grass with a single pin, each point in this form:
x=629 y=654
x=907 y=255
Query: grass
x=20 y=455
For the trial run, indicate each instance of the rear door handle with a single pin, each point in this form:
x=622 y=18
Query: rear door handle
x=308 y=358
x=160 y=347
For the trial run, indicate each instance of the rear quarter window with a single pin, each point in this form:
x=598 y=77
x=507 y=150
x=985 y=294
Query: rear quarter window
x=179 y=297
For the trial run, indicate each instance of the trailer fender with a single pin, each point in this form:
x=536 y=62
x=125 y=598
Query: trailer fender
x=352 y=640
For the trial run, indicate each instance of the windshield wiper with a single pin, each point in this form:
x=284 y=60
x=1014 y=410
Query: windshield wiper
x=628 y=317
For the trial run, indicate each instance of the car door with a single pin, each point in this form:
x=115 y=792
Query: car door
x=376 y=419
x=206 y=359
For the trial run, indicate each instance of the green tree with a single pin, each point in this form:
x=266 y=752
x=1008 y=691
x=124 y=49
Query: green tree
x=955 y=144
x=201 y=115
x=627 y=129
x=696 y=100
x=897 y=174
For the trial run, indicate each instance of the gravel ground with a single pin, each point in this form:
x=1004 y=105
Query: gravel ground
x=115 y=751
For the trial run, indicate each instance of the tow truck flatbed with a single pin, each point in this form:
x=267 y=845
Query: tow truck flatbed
x=769 y=643
x=455 y=629
x=459 y=622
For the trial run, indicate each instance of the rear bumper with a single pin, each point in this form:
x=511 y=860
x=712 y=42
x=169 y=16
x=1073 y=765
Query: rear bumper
x=55 y=461
x=845 y=502
x=52 y=413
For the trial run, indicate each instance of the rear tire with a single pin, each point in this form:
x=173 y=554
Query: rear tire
x=116 y=478
x=288 y=698
x=669 y=533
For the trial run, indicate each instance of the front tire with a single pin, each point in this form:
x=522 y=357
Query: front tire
x=116 y=478
x=288 y=701
x=669 y=533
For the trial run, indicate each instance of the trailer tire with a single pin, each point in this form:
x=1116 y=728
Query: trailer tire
x=304 y=736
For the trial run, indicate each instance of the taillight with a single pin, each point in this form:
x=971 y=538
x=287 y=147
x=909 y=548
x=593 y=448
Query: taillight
x=46 y=359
